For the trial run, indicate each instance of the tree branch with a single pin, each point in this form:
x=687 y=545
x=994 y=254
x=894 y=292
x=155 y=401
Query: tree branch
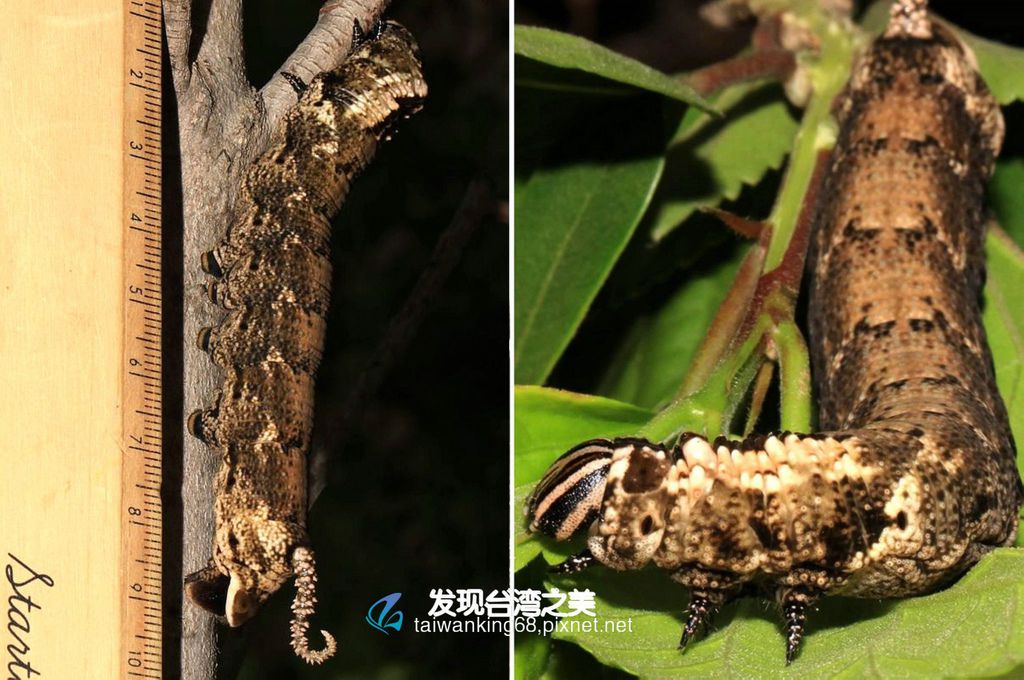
x=223 y=126
x=220 y=44
x=178 y=31
x=323 y=49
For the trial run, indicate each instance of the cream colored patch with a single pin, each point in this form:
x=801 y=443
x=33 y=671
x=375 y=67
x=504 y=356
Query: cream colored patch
x=240 y=605
x=896 y=542
x=700 y=483
x=909 y=18
x=698 y=451
x=620 y=463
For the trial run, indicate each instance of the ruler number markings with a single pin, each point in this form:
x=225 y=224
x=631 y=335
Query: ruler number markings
x=142 y=408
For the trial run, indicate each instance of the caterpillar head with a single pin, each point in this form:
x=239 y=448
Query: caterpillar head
x=252 y=560
x=382 y=80
x=632 y=520
x=569 y=496
x=618 y=488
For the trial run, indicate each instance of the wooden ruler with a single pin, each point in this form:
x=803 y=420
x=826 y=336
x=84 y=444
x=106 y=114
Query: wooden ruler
x=142 y=390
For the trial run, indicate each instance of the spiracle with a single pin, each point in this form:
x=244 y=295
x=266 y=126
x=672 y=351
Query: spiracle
x=272 y=273
x=913 y=477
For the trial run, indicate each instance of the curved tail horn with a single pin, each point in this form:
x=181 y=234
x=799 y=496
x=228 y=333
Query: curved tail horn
x=303 y=607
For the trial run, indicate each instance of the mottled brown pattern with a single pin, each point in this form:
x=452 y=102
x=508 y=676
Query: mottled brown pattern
x=914 y=477
x=273 y=274
x=899 y=351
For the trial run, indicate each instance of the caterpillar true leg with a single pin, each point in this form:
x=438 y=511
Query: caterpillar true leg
x=574 y=564
x=297 y=83
x=360 y=36
x=699 y=611
x=202 y=425
x=794 y=602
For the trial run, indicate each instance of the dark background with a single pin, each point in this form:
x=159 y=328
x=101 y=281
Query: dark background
x=417 y=485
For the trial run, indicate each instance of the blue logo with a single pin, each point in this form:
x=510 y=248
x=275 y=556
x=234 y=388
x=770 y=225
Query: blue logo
x=381 y=620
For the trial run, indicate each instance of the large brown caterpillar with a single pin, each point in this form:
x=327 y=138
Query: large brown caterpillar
x=273 y=276
x=913 y=478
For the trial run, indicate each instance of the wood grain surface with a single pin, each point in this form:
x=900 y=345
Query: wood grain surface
x=61 y=334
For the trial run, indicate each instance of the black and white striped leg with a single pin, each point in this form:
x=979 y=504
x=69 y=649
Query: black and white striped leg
x=204 y=339
x=703 y=605
x=202 y=424
x=794 y=602
x=360 y=36
x=210 y=262
x=574 y=564
x=297 y=83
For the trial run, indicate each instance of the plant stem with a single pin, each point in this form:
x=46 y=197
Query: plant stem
x=794 y=376
x=817 y=129
x=710 y=406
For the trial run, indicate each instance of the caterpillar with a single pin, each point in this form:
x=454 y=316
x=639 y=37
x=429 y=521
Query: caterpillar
x=912 y=478
x=272 y=273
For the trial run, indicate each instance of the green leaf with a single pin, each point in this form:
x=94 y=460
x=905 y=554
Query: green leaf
x=548 y=423
x=652 y=362
x=712 y=159
x=531 y=655
x=575 y=212
x=573 y=52
x=534 y=77
x=1000 y=65
x=569 y=662
x=1007 y=198
x=973 y=629
x=1003 y=316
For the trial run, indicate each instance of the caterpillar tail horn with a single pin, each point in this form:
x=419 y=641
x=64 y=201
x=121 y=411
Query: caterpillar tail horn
x=303 y=607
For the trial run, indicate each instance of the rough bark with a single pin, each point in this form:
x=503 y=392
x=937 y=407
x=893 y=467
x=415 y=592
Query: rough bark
x=224 y=123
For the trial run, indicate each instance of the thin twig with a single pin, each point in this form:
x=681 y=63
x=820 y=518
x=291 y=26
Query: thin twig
x=324 y=48
x=178 y=31
x=220 y=47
